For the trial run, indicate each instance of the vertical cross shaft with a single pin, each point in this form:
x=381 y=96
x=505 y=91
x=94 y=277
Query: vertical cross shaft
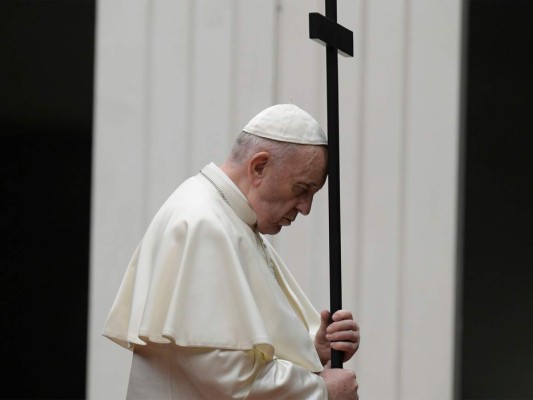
x=332 y=73
x=335 y=37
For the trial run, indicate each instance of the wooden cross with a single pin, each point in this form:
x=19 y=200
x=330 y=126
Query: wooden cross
x=336 y=38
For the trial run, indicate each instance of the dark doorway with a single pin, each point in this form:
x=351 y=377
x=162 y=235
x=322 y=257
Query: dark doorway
x=46 y=96
x=496 y=351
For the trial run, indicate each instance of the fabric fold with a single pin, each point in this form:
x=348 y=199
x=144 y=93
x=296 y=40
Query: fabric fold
x=199 y=279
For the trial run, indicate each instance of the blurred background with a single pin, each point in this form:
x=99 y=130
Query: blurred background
x=106 y=106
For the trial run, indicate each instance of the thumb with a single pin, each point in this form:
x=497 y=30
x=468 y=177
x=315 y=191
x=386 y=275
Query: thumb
x=324 y=319
x=328 y=365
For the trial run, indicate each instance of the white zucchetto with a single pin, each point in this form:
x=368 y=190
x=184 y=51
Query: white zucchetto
x=287 y=123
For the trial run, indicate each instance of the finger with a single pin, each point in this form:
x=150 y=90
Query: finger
x=346 y=351
x=344 y=325
x=324 y=320
x=324 y=317
x=344 y=336
x=341 y=314
x=345 y=346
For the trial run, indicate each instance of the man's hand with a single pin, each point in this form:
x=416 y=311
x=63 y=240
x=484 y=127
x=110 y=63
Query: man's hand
x=341 y=383
x=342 y=334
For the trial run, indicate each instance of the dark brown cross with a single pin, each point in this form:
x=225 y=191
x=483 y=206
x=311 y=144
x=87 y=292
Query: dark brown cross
x=336 y=38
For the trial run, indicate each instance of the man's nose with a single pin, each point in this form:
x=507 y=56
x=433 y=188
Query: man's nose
x=304 y=206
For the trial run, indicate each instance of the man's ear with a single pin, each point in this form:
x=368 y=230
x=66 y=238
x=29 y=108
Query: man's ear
x=256 y=167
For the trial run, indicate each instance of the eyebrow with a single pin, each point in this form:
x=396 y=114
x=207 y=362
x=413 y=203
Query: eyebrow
x=308 y=184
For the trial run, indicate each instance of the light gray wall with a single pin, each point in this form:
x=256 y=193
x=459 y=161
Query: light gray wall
x=177 y=80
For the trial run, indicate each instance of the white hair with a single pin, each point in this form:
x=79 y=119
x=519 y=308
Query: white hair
x=246 y=145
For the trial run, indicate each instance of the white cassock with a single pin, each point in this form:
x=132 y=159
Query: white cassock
x=210 y=309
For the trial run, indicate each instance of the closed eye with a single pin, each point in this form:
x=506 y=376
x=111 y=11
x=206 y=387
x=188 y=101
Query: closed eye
x=300 y=190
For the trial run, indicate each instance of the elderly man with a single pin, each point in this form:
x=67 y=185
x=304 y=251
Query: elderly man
x=208 y=306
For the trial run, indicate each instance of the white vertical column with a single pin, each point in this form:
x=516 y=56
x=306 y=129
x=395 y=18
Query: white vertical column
x=431 y=157
x=169 y=93
x=381 y=199
x=408 y=198
x=350 y=15
x=119 y=185
x=254 y=54
x=212 y=90
x=203 y=87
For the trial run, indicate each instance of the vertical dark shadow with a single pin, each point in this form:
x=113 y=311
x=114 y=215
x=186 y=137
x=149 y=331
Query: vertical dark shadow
x=46 y=64
x=457 y=376
x=496 y=350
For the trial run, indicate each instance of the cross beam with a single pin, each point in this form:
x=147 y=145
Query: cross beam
x=336 y=38
x=327 y=31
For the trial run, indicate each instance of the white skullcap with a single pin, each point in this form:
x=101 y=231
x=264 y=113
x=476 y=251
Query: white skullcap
x=287 y=123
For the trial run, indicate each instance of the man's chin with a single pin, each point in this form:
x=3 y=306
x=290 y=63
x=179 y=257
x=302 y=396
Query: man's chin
x=270 y=230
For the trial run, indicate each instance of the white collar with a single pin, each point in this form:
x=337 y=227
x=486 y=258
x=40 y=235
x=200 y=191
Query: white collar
x=230 y=193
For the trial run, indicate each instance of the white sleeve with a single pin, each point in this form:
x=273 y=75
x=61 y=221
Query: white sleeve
x=235 y=374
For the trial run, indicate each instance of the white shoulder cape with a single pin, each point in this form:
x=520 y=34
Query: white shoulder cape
x=199 y=278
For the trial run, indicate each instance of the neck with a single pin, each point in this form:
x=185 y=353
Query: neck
x=237 y=174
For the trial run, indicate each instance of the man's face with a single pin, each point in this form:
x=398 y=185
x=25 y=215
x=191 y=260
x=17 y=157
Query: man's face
x=287 y=188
